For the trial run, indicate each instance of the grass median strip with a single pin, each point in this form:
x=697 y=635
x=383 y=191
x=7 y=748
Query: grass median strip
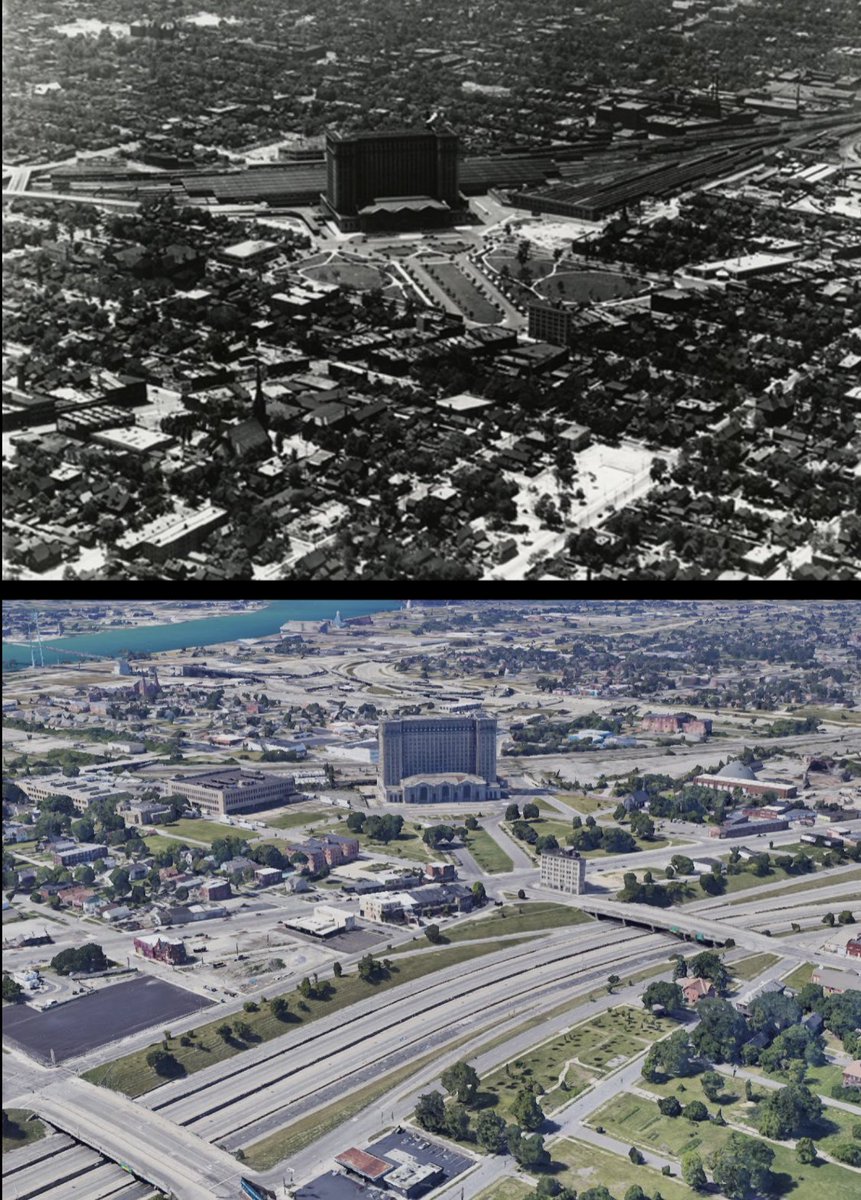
x=746 y=968
x=530 y=917
x=204 y=1045
x=488 y=853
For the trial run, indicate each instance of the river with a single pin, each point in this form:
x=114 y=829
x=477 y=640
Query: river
x=205 y=631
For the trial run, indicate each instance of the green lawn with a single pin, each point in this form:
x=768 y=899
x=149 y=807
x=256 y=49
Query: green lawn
x=800 y=976
x=755 y=964
x=297 y=816
x=207 y=831
x=545 y=826
x=583 y=804
x=828 y=714
x=157 y=842
x=636 y=1120
x=487 y=852
x=820 y=1080
x=30 y=1131
x=132 y=1076
x=506 y=1189
x=524 y=918
x=588 y=1166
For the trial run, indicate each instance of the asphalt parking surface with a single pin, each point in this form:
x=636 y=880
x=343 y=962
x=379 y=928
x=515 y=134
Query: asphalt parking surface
x=423 y=1150
x=100 y=1017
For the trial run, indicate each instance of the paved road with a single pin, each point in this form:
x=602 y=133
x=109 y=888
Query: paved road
x=166 y=1154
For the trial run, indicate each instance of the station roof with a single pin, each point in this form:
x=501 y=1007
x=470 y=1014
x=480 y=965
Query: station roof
x=363 y=1163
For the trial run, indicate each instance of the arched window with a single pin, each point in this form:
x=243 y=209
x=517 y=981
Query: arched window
x=465 y=792
x=423 y=794
x=444 y=792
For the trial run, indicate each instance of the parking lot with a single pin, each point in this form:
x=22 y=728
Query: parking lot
x=98 y=1018
x=423 y=1150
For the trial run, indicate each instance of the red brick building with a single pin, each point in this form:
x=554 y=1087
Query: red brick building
x=161 y=948
x=684 y=723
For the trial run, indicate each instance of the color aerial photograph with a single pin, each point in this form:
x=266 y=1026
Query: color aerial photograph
x=413 y=290
x=432 y=899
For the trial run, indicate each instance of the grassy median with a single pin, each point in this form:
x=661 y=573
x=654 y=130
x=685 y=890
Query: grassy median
x=19 y=1129
x=529 y=917
x=488 y=853
x=133 y=1076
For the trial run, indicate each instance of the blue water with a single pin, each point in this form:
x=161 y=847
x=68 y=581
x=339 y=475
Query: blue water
x=205 y=631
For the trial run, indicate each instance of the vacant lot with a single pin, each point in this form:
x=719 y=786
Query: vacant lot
x=132 y=1075
x=747 y=968
x=585 y=805
x=487 y=852
x=639 y=1121
x=538 y=267
x=207 y=831
x=99 y=1017
x=589 y=1166
x=299 y=816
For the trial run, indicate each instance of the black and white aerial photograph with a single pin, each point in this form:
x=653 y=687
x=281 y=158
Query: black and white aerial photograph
x=431 y=290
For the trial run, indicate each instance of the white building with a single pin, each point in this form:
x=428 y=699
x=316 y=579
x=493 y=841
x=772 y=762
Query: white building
x=564 y=870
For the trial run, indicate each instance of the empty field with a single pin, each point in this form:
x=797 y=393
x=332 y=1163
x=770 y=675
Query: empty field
x=347 y=274
x=206 y=831
x=747 y=968
x=588 y=1166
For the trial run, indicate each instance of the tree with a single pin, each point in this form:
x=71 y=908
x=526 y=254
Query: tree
x=531 y=811
x=712 y=1084
x=696 y=1111
x=527 y=1111
x=847 y=1152
x=612 y=980
x=708 y=965
x=356 y=822
x=280 y=1008
x=456 y=1121
x=828 y=919
x=225 y=1031
x=721 y=1032
x=490 y=1131
x=479 y=894
x=667 y=994
x=164 y=1063
x=845 y=917
x=774 y=1010
x=433 y=934
x=461 y=1080
x=80 y=959
x=693 y=1171
x=430 y=1112
x=12 y=992
x=742 y=1165
x=527 y=1151
x=636 y=1156
x=805 y=1151
x=788 y=1112
x=512 y=812
x=244 y=1031
x=370 y=969
x=669 y=1106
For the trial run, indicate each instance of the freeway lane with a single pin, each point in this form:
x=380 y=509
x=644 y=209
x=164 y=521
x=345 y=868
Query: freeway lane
x=396 y=1035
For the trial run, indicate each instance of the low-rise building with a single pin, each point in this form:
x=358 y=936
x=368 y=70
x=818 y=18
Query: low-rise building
x=329 y=850
x=697 y=989
x=83 y=852
x=852 y=1074
x=325 y=921
x=833 y=981
x=739 y=775
x=161 y=948
x=232 y=789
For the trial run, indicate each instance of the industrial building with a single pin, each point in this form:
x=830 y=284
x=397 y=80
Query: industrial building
x=425 y=760
x=406 y=179
x=739 y=775
x=564 y=870
x=232 y=790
